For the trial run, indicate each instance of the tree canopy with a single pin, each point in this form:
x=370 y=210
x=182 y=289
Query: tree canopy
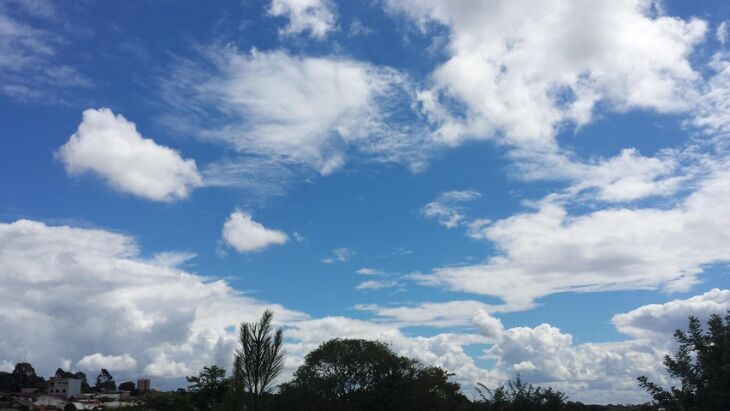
x=208 y=388
x=702 y=366
x=353 y=374
x=105 y=381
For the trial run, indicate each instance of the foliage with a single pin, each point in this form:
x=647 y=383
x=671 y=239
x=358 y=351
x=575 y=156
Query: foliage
x=519 y=396
x=208 y=388
x=105 y=381
x=701 y=364
x=258 y=362
x=353 y=374
x=24 y=376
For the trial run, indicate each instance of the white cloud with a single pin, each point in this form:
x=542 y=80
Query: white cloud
x=370 y=271
x=524 y=70
x=95 y=362
x=549 y=251
x=376 y=284
x=711 y=112
x=658 y=321
x=721 y=33
x=89 y=292
x=111 y=147
x=339 y=255
x=591 y=372
x=446 y=314
x=447 y=209
x=87 y=296
x=314 y=17
x=245 y=235
x=294 y=110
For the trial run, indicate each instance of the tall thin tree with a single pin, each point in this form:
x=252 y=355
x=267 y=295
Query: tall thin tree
x=259 y=359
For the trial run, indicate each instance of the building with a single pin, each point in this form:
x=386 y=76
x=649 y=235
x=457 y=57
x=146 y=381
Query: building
x=64 y=387
x=143 y=385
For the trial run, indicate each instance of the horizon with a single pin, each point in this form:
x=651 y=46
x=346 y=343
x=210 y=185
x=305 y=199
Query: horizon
x=491 y=188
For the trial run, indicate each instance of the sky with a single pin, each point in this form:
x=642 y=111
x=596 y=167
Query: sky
x=492 y=187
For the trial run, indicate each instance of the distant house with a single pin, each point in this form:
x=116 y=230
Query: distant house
x=64 y=387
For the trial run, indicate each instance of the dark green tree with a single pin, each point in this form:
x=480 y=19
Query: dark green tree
x=208 y=388
x=105 y=381
x=127 y=386
x=6 y=381
x=24 y=376
x=702 y=366
x=519 y=396
x=348 y=374
x=259 y=360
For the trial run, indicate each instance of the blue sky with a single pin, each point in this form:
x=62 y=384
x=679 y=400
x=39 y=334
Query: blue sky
x=491 y=187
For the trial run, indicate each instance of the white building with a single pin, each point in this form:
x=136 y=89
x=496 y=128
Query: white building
x=64 y=387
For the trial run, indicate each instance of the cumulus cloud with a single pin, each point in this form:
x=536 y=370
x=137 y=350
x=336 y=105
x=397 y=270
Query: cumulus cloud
x=305 y=111
x=92 y=294
x=95 y=362
x=519 y=72
x=594 y=372
x=245 y=235
x=549 y=251
x=126 y=313
x=314 y=17
x=110 y=146
x=657 y=321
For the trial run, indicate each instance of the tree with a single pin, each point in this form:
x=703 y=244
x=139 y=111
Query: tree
x=701 y=364
x=519 y=396
x=259 y=360
x=127 y=386
x=208 y=388
x=349 y=374
x=24 y=376
x=105 y=381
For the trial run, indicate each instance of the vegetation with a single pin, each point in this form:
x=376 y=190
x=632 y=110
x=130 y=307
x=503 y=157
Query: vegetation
x=701 y=364
x=367 y=375
x=519 y=396
x=258 y=362
x=208 y=389
x=105 y=381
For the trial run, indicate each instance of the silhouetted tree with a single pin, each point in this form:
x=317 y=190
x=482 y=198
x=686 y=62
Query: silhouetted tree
x=701 y=364
x=105 y=381
x=127 y=386
x=519 y=396
x=259 y=360
x=366 y=375
x=24 y=376
x=208 y=388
